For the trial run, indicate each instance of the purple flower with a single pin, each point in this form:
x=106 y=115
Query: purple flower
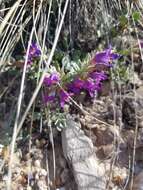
x=34 y=52
x=94 y=83
x=64 y=97
x=48 y=98
x=54 y=78
x=76 y=86
x=90 y=86
x=105 y=57
x=98 y=76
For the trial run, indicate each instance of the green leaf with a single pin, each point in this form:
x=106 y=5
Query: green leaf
x=114 y=32
x=124 y=52
x=123 y=20
x=136 y=16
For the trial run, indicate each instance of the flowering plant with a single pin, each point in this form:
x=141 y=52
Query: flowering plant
x=62 y=85
x=34 y=52
x=71 y=80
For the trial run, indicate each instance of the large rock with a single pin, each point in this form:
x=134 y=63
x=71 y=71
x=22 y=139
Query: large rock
x=133 y=109
x=79 y=151
x=85 y=21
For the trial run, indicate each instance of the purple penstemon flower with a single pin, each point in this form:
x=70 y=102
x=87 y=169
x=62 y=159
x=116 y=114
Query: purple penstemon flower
x=93 y=84
x=64 y=97
x=76 y=85
x=48 y=98
x=105 y=57
x=54 y=78
x=90 y=86
x=34 y=52
x=98 y=75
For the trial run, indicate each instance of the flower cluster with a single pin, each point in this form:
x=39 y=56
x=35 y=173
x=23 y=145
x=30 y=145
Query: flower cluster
x=105 y=57
x=52 y=79
x=34 y=52
x=90 y=83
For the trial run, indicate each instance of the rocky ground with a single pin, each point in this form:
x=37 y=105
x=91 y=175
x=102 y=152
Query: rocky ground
x=115 y=127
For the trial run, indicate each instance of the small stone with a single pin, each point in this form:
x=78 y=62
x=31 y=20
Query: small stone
x=1 y=149
x=5 y=178
x=37 y=163
x=17 y=170
x=36 y=176
x=29 y=188
x=37 y=142
x=43 y=172
x=42 y=185
x=41 y=177
x=27 y=156
x=61 y=188
x=36 y=169
x=42 y=142
x=20 y=188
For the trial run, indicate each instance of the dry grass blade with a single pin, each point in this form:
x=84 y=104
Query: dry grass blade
x=19 y=109
x=9 y=32
x=8 y=16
